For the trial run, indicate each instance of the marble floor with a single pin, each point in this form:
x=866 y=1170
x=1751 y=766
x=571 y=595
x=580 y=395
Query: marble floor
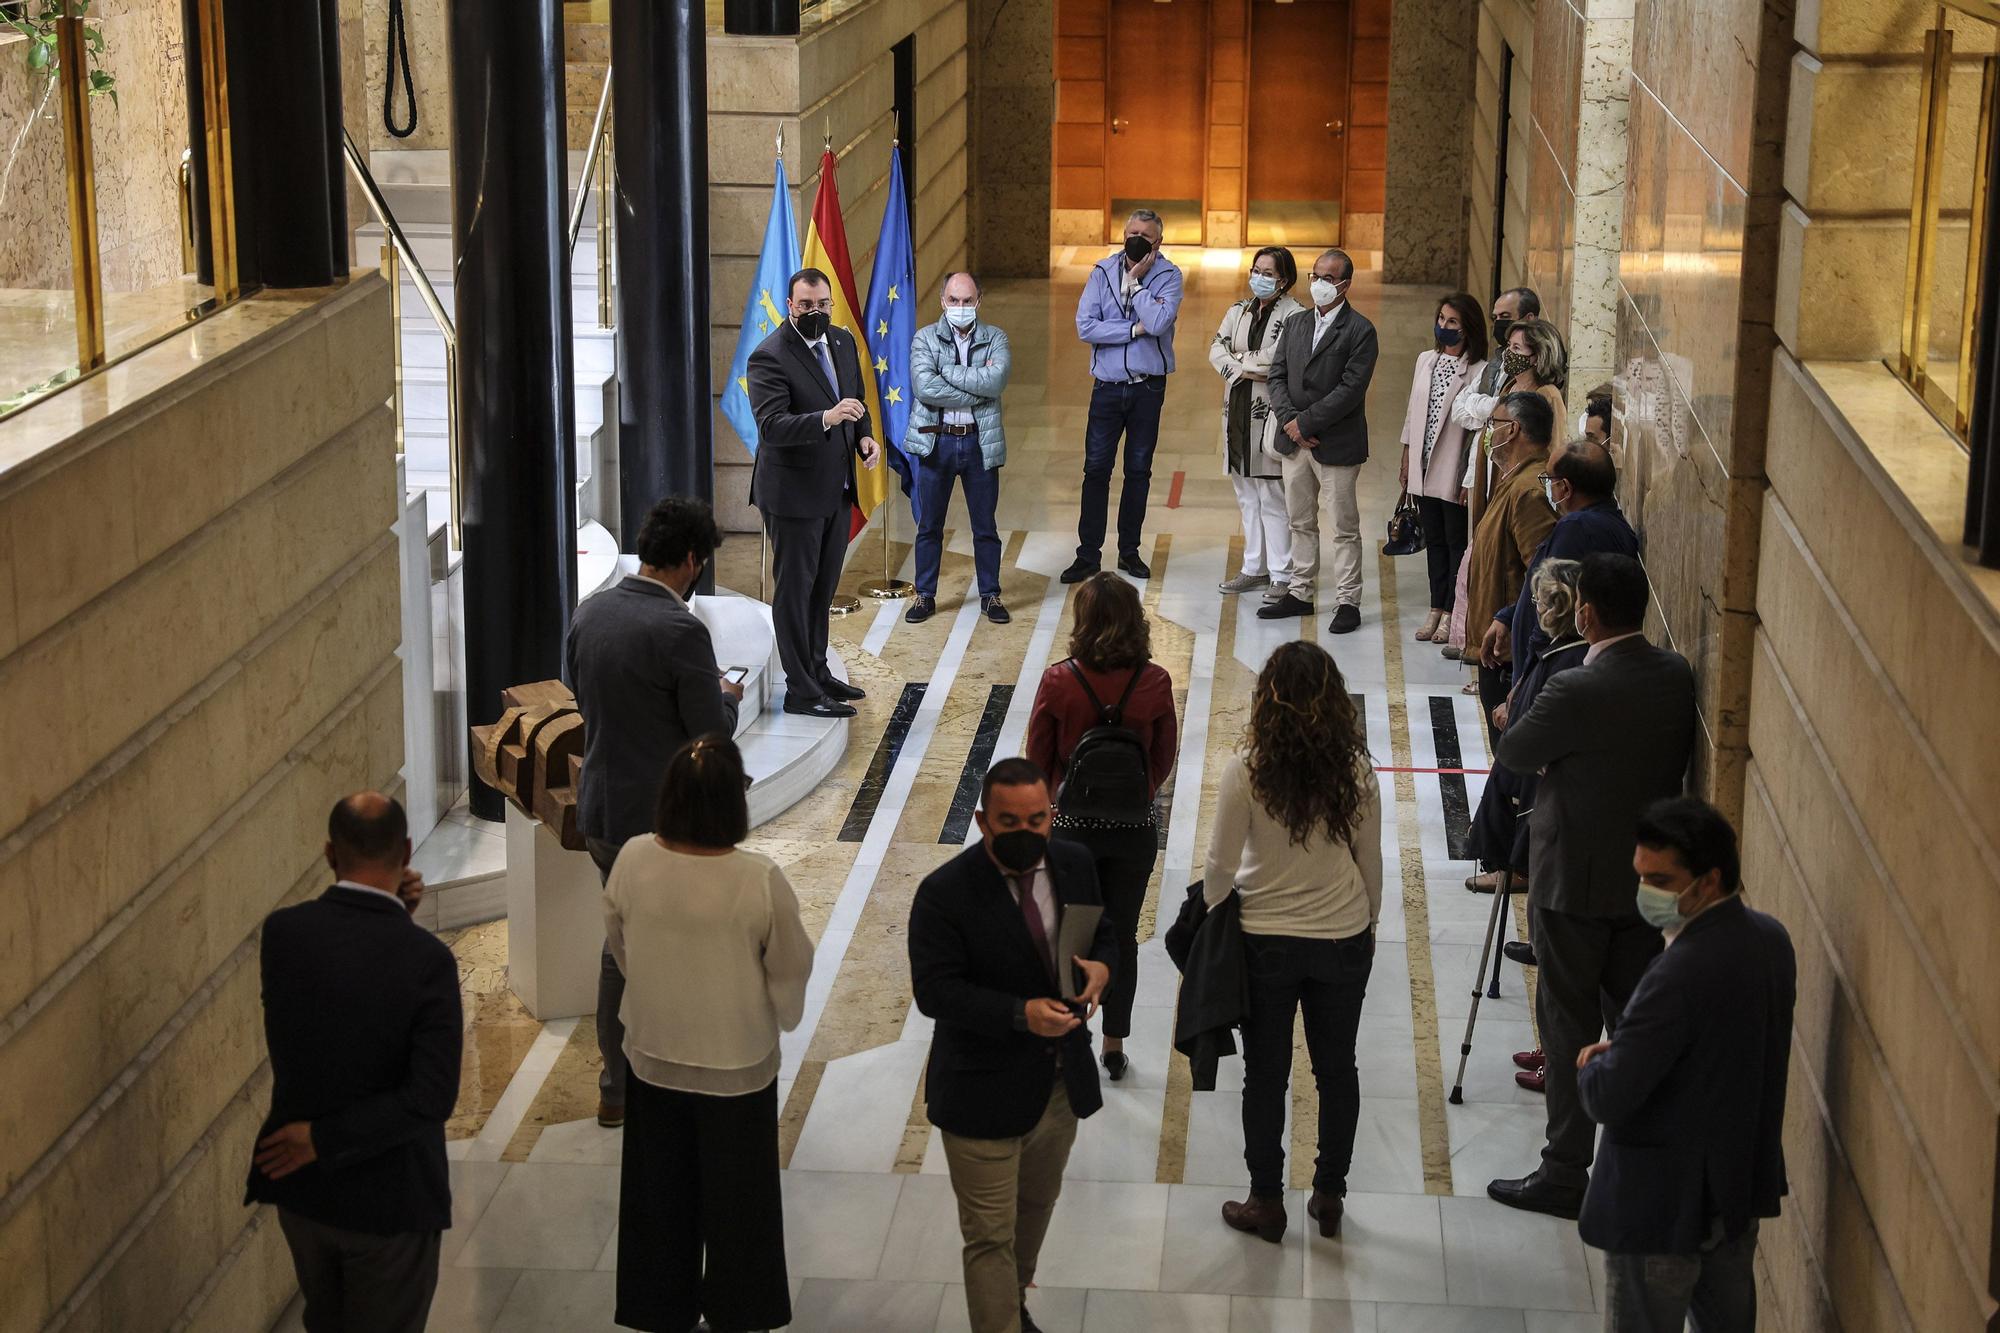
x=1136 y=1243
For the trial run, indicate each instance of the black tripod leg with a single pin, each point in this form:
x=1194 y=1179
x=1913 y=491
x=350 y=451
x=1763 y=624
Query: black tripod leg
x=1500 y=936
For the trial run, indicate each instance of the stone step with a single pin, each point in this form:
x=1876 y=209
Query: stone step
x=431 y=243
x=595 y=350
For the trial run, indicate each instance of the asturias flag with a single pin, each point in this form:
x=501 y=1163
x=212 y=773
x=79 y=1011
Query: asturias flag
x=764 y=310
x=892 y=323
x=826 y=250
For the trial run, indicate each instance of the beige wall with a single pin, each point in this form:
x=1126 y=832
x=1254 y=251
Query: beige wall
x=1011 y=46
x=1502 y=25
x=198 y=624
x=837 y=80
x=1424 y=195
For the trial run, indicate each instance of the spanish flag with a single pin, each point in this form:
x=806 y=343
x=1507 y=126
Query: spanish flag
x=826 y=250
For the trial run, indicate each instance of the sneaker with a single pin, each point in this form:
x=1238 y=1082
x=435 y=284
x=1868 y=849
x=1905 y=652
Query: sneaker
x=1080 y=571
x=921 y=609
x=995 y=611
x=1244 y=583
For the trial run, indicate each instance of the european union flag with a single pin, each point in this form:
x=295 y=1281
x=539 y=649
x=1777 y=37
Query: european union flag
x=890 y=315
x=764 y=310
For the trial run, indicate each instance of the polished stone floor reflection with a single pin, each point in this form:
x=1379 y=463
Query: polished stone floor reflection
x=1136 y=1242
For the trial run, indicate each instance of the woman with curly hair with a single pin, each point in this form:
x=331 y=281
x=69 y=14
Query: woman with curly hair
x=1298 y=836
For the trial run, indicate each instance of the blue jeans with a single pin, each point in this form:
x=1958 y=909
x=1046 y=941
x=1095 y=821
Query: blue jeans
x=1132 y=410
x=1327 y=980
x=957 y=456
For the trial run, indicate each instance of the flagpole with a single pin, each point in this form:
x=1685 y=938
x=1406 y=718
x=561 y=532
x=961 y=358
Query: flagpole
x=888 y=588
x=843 y=604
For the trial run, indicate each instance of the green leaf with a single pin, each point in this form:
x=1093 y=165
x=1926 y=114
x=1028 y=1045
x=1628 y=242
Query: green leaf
x=40 y=57
x=94 y=39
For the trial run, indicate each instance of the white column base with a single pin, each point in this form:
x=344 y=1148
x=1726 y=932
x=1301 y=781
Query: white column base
x=555 y=921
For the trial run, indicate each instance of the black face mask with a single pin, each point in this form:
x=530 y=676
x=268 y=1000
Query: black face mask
x=1500 y=330
x=1137 y=248
x=1020 y=849
x=812 y=325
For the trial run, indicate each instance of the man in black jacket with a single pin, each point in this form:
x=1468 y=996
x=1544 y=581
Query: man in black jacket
x=1010 y=1066
x=361 y=1016
x=1691 y=1089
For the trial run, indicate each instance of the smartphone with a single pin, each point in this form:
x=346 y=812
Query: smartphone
x=736 y=675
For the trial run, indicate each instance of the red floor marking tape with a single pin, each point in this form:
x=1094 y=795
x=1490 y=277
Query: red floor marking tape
x=1174 y=493
x=1466 y=772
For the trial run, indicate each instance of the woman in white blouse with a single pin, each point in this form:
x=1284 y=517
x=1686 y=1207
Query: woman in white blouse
x=1298 y=836
x=715 y=961
x=1434 y=448
x=1241 y=353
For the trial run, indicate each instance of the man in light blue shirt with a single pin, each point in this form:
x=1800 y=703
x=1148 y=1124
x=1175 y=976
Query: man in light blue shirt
x=1127 y=315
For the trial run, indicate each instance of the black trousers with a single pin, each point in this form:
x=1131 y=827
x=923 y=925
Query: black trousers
x=701 y=1219
x=1444 y=547
x=1493 y=687
x=1327 y=980
x=355 y=1282
x=1588 y=967
x=806 y=555
x=610 y=995
x=1124 y=858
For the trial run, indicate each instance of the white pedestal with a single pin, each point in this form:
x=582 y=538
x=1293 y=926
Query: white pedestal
x=555 y=921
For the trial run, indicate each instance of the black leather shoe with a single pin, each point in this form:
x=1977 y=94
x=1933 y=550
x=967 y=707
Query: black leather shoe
x=840 y=689
x=1080 y=571
x=921 y=609
x=1028 y=1324
x=1346 y=619
x=1537 y=1194
x=995 y=609
x=1116 y=1065
x=828 y=708
x=1519 y=951
x=1133 y=565
x=1284 y=607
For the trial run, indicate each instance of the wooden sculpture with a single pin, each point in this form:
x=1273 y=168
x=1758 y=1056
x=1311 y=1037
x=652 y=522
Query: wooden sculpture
x=533 y=754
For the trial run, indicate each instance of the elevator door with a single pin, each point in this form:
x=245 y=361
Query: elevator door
x=1157 y=114
x=1298 y=120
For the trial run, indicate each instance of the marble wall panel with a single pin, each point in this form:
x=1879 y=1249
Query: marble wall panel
x=1700 y=59
x=255 y=1283
x=1551 y=222
x=1863 y=27
x=1556 y=90
x=428 y=39
x=1840 y=285
x=1424 y=202
x=1851 y=146
x=1598 y=182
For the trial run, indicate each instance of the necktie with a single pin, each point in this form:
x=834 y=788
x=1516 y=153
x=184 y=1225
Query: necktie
x=1031 y=914
x=826 y=368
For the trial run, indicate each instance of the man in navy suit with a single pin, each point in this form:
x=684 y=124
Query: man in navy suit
x=361 y=1015
x=1691 y=1089
x=1010 y=1067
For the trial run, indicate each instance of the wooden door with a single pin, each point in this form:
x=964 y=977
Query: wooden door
x=1298 y=121
x=1156 y=117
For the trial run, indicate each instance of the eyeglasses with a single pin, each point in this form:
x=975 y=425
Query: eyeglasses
x=824 y=307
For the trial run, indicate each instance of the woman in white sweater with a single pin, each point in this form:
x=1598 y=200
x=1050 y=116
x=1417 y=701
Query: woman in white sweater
x=715 y=962
x=1298 y=836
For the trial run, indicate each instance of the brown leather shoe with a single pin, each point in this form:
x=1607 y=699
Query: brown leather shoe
x=1261 y=1217
x=1326 y=1209
x=1534 y=1080
x=610 y=1116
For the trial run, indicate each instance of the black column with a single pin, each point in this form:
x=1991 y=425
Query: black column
x=759 y=18
x=284 y=128
x=1982 y=488
x=660 y=129
x=197 y=142
x=515 y=381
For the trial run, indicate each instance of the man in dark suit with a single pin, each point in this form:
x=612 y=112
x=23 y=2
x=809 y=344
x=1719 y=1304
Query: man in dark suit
x=805 y=389
x=1612 y=736
x=1319 y=387
x=1691 y=1090
x=361 y=1017
x=646 y=681
x=1010 y=1065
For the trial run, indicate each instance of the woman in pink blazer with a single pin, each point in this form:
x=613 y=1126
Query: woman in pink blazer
x=1434 y=448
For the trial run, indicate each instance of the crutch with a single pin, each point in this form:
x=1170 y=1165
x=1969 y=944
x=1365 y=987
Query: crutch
x=1489 y=951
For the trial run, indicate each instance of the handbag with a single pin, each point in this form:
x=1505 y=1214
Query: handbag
x=1406 y=529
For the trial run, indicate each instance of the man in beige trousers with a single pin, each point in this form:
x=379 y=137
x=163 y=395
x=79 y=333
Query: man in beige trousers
x=1010 y=1067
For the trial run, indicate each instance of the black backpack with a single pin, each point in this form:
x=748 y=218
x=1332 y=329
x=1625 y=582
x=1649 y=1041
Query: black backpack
x=1108 y=776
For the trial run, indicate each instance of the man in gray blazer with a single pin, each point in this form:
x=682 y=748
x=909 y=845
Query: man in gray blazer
x=646 y=682
x=1612 y=736
x=805 y=389
x=1319 y=386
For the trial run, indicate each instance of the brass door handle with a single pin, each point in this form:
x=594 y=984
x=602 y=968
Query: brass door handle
x=1115 y=123
x=1337 y=128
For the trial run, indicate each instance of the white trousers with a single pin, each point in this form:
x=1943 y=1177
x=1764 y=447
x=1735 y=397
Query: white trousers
x=1267 y=526
x=1309 y=487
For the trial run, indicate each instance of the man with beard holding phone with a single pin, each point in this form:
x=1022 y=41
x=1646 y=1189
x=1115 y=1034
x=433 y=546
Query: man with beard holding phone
x=1010 y=1066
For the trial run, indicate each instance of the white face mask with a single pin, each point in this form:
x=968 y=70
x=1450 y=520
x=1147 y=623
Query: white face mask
x=1324 y=292
x=962 y=316
x=1263 y=286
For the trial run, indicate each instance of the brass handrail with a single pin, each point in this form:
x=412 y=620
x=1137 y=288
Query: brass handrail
x=400 y=246
x=597 y=162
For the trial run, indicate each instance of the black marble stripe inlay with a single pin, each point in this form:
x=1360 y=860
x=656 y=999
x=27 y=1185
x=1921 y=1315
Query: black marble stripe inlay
x=862 y=813
x=977 y=760
x=1451 y=786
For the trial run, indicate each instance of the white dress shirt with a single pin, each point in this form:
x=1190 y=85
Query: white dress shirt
x=1590 y=654
x=1324 y=320
x=1037 y=882
x=368 y=888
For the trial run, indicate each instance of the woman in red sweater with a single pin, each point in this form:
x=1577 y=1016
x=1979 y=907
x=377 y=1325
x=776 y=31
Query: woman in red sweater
x=1110 y=658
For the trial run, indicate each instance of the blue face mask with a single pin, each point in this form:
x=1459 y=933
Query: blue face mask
x=1449 y=337
x=962 y=316
x=1660 y=908
x=1263 y=286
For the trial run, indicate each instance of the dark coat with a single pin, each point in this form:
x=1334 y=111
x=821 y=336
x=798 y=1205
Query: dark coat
x=1691 y=1093
x=644 y=672
x=1599 y=529
x=361 y=1017
x=974 y=966
x=1325 y=388
x=1614 y=736
x=802 y=469
x=1206 y=944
